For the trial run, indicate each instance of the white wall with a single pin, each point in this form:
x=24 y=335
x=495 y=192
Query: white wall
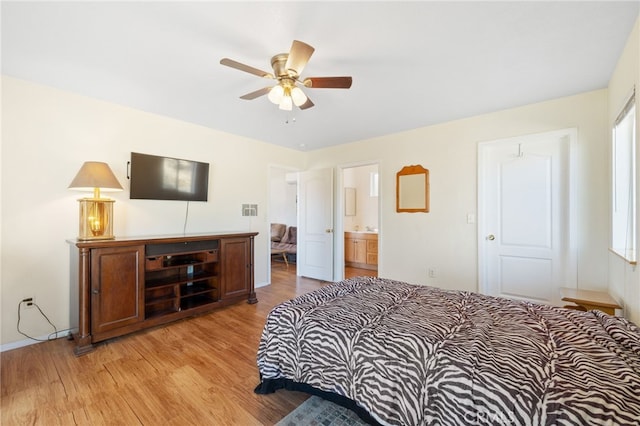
x=442 y=239
x=624 y=279
x=46 y=136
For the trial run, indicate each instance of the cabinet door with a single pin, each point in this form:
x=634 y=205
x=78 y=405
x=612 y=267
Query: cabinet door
x=372 y=252
x=349 y=250
x=360 y=251
x=117 y=275
x=236 y=267
x=355 y=250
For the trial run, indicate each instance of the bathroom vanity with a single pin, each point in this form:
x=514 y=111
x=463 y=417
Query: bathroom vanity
x=361 y=250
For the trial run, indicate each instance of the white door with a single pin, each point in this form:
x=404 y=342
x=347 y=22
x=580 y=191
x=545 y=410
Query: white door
x=315 y=224
x=526 y=220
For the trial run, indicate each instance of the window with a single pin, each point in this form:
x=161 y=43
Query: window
x=623 y=200
x=373 y=184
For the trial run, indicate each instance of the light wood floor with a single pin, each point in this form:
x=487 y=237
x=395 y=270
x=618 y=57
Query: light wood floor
x=200 y=371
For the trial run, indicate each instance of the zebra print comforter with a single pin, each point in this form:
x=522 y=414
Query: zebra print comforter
x=417 y=355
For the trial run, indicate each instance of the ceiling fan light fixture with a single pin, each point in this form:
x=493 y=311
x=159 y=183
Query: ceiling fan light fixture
x=276 y=94
x=298 y=96
x=286 y=103
x=287 y=68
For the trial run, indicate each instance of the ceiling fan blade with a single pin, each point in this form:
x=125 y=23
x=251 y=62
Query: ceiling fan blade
x=298 y=57
x=308 y=104
x=256 y=94
x=328 y=82
x=246 y=68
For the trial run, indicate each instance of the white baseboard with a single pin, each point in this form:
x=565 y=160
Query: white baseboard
x=28 y=342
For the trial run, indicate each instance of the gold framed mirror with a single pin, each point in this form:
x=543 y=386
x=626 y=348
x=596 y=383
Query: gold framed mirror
x=412 y=190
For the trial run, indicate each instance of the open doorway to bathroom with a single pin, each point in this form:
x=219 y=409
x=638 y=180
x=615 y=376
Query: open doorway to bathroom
x=361 y=220
x=283 y=213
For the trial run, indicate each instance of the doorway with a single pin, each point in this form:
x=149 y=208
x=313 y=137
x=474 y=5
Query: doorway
x=526 y=228
x=283 y=213
x=360 y=215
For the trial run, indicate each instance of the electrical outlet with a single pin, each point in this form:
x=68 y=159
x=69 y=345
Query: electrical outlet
x=432 y=272
x=28 y=302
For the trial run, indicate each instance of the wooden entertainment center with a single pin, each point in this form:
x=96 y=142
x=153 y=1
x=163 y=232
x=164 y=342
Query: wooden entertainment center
x=128 y=284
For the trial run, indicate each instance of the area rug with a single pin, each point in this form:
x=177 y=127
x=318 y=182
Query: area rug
x=316 y=411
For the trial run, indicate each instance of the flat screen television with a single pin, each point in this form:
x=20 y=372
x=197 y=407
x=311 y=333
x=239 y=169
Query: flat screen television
x=164 y=178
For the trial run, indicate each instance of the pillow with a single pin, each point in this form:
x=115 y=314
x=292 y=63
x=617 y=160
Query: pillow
x=291 y=237
x=277 y=231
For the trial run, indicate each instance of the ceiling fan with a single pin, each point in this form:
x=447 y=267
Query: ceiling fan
x=287 y=68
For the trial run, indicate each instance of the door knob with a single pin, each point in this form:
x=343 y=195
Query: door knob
x=491 y=237
x=328 y=230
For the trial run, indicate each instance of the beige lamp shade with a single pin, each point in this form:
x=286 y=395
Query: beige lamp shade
x=95 y=174
x=96 y=214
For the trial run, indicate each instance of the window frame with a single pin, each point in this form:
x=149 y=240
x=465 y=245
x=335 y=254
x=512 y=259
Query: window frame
x=623 y=229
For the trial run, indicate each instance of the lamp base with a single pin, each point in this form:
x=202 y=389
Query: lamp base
x=96 y=219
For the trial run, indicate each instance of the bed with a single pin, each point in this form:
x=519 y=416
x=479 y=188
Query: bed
x=403 y=354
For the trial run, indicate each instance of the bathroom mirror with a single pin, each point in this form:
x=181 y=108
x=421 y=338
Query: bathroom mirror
x=412 y=190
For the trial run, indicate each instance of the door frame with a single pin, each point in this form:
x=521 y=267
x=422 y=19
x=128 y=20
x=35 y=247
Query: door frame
x=571 y=260
x=338 y=250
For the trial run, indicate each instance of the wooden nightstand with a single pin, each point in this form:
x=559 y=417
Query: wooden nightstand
x=587 y=300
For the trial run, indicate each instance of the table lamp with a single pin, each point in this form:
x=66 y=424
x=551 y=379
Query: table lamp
x=96 y=214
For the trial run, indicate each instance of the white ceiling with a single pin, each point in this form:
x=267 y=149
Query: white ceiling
x=413 y=64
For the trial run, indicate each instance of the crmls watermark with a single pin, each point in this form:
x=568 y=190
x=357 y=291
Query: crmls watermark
x=485 y=417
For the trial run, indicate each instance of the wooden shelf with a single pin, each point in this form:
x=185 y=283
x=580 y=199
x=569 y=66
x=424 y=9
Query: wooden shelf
x=196 y=301
x=160 y=313
x=194 y=290
x=148 y=301
x=178 y=279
